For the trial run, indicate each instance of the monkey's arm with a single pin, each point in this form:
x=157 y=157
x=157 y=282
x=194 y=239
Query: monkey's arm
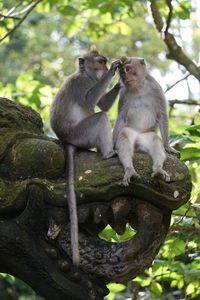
x=96 y=92
x=163 y=121
x=120 y=123
x=164 y=126
x=109 y=98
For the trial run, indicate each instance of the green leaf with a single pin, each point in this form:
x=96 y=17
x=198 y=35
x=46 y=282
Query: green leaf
x=197 y=119
x=180 y=284
x=190 y=153
x=174 y=283
x=3 y=32
x=108 y=233
x=111 y=296
x=194 y=130
x=68 y=10
x=179 y=247
x=143 y=280
x=184 y=9
x=74 y=27
x=180 y=139
x=190 y=289
x=156 y=289
x=196 y=208
x=116 y=287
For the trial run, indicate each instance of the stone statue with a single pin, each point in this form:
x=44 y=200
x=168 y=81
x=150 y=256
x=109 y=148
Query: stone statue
x=34 y=220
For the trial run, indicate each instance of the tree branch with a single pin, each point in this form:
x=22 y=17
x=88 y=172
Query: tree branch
x=30 y=8
x=8 y=17
x=156 y=16
x=14 y=8
x=188 y=102
x=23 y=10
x=169 y=4
x=178 y=81
x=175 y=51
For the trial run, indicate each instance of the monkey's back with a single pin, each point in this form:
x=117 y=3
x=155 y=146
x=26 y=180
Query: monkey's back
x=67 y=107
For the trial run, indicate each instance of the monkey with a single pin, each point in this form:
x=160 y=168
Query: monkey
x=141 y=111
x=74 y=121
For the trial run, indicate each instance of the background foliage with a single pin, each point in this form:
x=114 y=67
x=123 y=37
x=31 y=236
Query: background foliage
x=38 y=54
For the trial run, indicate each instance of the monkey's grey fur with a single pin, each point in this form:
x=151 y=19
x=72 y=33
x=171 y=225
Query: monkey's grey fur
x=76 y=124
x=142 y=110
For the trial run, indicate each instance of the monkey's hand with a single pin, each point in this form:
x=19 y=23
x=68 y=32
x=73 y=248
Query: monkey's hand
x=171 y=150
x=116 y=64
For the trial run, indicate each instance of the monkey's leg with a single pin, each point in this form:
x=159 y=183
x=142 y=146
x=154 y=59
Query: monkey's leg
x=94 y=131
x=125 y=147
x=152 y=144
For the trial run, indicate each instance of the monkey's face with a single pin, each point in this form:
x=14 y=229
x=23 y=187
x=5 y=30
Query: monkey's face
x=100 y=66
x=132 y=71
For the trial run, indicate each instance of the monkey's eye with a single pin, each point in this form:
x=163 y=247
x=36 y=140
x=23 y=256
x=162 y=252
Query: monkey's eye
x=127 y=69
x=102 y=62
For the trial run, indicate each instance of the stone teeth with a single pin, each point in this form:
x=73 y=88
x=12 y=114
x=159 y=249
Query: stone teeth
x=120 y=209
x=83 y=214
x=64 y=265
x=99 y=213
x=120 y=227
x=54 y=229
x=88 y=284
x=76 y=276
x=51 y=252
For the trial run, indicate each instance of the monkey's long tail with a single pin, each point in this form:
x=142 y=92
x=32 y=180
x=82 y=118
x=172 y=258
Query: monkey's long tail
x=70 y=151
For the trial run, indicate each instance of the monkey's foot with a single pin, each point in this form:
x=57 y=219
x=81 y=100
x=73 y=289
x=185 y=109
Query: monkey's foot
x=109 y=155
x=130 y=173
x=161 y=173
x=171 y=150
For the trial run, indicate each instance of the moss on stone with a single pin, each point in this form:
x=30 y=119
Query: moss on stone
x=28 y=157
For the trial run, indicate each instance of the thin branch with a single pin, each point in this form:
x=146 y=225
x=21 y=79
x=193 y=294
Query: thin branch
x=169 y=18
x=8 y=17
x=14 y=8
x=31 y=7
x=23 y=10
x=188 y=102
x=189 y=228
x=156 y=15
x=188 y=216
x=185 y=215
x=178 y=81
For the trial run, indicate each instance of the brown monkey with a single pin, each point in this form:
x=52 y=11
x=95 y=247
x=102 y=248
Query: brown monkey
x=76 y=124
x=142 y=109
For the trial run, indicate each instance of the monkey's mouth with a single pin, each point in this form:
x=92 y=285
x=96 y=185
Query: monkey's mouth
x=131 y=81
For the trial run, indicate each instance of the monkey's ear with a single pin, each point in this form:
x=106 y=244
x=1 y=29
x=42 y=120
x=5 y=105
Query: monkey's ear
x=142 y=61
x=123 y=59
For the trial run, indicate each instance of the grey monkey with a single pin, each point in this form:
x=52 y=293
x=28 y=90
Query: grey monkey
x=141 y=111
x=73 y=119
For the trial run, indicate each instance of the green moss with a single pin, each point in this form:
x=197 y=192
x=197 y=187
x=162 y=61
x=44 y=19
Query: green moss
x=12 y=196
x=23 y=118
x=33 y=157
